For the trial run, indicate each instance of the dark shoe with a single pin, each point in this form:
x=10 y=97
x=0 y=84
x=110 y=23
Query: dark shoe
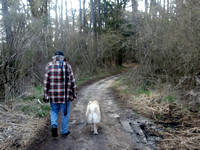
x=66 y=134
x=54 y=131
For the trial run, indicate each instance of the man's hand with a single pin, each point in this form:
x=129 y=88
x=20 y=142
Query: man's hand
x=45 y=100
x=74 y=96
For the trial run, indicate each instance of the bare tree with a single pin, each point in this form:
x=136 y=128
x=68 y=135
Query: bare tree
x=98 y=14
x=73 y=16
x=80 y=16
x=38 y=8
x=61 y=12
x=15 y=40
x=84 y=17
x=66 y=15
x=146 y=5
x=93 y=16
x=153 y=7
x=167 y=6
x=8 y=47
x=134 y=5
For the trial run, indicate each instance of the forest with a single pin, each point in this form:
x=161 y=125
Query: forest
x=158 y=38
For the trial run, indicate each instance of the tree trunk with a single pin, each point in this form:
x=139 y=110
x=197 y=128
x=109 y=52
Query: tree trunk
x=45 y=8
x=120 y=57
x=66 y=15
x=7 y=25
x=84 y=17
x=167 y=6
x=61 y=12
x=73 y=16
x=56 y=12
x=146 y=6
x=92 y=14
x=38 y=8
x=134 y=6
x=80 y=17
x=56 y=20
x=99 y=15
x=153 y=8
x=8 y=50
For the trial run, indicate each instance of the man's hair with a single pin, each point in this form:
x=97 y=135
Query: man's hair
x=58 y=57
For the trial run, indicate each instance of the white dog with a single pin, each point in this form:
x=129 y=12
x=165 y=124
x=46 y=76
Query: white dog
x=93 y=115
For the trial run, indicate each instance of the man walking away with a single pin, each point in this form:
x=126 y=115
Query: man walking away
x=59 y=89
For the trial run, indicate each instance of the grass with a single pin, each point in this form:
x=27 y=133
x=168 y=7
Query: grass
x=141 y=91
x=128 y=89
x=30 y=106
x=169 y=98
x=100 y=73
x=39 y=90
x=28 y=98
x=39 y=110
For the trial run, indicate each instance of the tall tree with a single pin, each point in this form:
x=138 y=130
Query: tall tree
x=73 y=16
x=56 y=13
x=84 y=17
x=93 y=16
x=8 y=50
x=66 y=14
x=7 y=25
x=38 y=8
x=146 y=6
x=80 y=16
x=61 y=12
x=98 y=14
x=14 y=38
x=134 y=5
x=153 y=7
x=167 y=6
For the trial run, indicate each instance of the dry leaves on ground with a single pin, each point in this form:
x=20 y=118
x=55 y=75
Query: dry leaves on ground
x=17 y=129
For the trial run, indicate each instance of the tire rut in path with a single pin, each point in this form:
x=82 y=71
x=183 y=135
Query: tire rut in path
x=114 y=132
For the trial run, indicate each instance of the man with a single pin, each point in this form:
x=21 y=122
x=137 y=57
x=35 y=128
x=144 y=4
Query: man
x=59 y=89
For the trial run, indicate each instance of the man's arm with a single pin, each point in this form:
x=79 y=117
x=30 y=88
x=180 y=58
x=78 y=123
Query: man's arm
x=46 y=84
x=73 y=84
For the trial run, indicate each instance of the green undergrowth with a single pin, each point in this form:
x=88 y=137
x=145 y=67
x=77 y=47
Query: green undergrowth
x=143 y=98
x=99 y=74
x=32 y=103
x=41 y=110
x=126 y=88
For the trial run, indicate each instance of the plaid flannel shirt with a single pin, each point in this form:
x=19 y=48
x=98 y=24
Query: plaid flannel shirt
x=54 y=87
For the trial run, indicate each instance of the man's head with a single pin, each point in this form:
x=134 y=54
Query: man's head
x=59 y=55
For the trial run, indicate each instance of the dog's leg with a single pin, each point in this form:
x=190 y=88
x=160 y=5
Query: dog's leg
x=95 y=128
x=91 y=128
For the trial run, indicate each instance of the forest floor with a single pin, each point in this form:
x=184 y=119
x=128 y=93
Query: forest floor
x=123 y=124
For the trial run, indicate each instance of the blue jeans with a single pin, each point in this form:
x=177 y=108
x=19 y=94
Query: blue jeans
x=55 y=108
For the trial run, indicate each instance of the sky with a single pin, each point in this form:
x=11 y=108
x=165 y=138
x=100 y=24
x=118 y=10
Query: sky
x=75 y=5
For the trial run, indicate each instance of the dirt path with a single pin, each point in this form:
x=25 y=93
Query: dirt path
x=118 y=129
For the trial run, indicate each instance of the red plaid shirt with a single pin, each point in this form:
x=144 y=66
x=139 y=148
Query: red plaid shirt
x=54 y=87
